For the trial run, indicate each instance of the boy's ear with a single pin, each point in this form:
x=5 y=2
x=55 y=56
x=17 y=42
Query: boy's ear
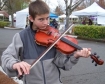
x=30 y=18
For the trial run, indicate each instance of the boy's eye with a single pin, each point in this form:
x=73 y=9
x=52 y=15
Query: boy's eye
x=47 y=18
x=41 y=19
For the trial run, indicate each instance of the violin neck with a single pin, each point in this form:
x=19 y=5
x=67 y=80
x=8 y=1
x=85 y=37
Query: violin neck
x=71 y=43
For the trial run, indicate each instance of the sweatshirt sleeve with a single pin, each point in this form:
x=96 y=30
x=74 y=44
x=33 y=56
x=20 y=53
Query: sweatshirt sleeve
x=11 y=55
x=65 y=61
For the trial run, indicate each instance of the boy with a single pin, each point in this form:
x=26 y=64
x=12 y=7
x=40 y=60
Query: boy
x=23 y=46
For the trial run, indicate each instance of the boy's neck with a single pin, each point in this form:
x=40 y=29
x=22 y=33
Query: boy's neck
x=34 y=27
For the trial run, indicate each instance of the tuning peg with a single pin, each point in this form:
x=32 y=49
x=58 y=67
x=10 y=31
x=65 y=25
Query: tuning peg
x=95 y=64
x=92 y=61
x=98 y=56
x=95 y=53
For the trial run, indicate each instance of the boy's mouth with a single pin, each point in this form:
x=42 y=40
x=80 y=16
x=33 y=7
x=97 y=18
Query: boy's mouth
x=44 y=27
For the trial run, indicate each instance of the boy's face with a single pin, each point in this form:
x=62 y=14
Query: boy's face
x=40 y=21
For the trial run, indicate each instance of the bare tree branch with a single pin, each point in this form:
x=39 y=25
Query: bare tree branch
x=76 y=5
x=4 y=3
x=70 y=8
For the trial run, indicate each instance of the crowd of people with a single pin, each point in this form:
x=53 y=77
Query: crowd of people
x=85 y=22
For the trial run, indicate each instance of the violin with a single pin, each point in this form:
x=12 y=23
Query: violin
x=66 y=44
x=50 y=37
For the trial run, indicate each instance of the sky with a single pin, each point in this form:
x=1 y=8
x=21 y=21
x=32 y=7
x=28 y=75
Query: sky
x=54 y=3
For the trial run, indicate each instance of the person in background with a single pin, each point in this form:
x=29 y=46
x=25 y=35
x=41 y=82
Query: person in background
x=84 y=22
x=54 y=23
x=23 y=51
x=27 y=22
x=51 y=22
x=4 y=13
x=90 y=22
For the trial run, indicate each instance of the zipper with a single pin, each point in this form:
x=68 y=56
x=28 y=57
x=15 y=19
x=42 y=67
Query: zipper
x=43 y=73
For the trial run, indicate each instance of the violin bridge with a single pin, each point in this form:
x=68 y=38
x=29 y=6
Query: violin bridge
x=49 y=33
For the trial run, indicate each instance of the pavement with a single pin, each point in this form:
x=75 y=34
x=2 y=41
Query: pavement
x=6 y=35
x=84 y=72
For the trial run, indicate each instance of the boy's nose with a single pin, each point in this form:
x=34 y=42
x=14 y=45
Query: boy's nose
x=46 y=22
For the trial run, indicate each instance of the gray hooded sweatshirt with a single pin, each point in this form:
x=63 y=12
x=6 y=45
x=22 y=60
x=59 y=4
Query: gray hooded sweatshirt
x=24 y=48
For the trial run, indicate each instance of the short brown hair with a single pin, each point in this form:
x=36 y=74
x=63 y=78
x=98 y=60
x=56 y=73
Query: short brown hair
x=38 y=7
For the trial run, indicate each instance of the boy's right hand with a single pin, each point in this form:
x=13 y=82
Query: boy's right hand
x=22 y=67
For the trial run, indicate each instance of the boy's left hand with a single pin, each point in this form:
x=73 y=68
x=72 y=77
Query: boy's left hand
x=85 y=52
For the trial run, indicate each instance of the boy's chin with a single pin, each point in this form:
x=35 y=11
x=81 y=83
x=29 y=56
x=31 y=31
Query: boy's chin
x=43 y=28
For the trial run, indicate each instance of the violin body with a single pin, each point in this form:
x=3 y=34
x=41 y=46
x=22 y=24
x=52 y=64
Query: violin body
x=46 y=39
x=66 y=44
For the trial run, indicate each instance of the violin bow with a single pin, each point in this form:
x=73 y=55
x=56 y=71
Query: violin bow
x=45 y=52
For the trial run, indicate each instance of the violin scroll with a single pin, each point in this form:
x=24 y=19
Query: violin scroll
x=96 y=59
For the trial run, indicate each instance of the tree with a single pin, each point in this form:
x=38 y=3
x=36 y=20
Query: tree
x=15 y=5
x=58 y=10
x=85 y=4
x=70 y=6
x=82 y=6
x=89 y=2
x=101 y=3
x=2 y=4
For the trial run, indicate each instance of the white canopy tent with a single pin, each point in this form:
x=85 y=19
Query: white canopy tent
x=101 y=19
x=21 y=17
x=13 y=15
x=1 y=15
x=94 y=10
x=71 y=16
